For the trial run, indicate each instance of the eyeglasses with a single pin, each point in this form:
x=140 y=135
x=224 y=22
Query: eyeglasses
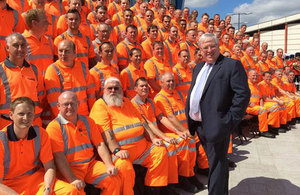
x=209 y=47
x=65 y=105
x=113 y=88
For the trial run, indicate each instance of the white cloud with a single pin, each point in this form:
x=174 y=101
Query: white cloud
x=265 y=10
x=199 y=3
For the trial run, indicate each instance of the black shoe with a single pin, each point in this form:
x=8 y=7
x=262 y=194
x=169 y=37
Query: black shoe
x=273 y=131
x=281 y=130
x=267 y=134
x=169 y=190
x=293 y=121
x=285 y=127
x=231 y=163
x=203 y=171
x=152 y=190
x=185 y=185
x=298 y=120
x=193 y=180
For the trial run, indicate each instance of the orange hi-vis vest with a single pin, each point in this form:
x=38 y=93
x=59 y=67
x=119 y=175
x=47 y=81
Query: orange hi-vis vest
x=248 y=62
x=183 y=78
x=112 y=9
x=278 y=62
x=267 y=89
x=190 y=47
x=172 y=49
x=255 y=93
x=60 y=78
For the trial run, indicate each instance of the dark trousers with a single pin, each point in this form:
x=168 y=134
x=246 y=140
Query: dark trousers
x=218 y=165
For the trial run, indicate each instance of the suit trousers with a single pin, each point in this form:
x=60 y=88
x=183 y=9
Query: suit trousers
x=218 y=164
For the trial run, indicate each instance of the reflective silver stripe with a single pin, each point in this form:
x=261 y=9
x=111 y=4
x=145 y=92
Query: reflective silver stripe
x=261 y=110
x=152 y=105
x=99 y=179
x=249 y=67
x=40 y=93
x=61 y=79
x=128 y=52
x=119 y=33
x=102 y=80
x=156 y=70
x=6 y=160
x=39 y=56
x=130 y=79
x=185 y=147
x=181 y=97
x=16 y=17
x=53 y=104
x=86 y=124
x=91 y=95
x=192 y=149
x=178 y=74
x=170 y=54
x=126 y=127
x=6 y=89
x=79 y=148
x=130 y=140
x=29 y=172
x=83 y=66
x=113 y=158
x=22 y=4
x=143 y=156
x=2 y=37
x=64 y=135
x=255 y=95
x=179 y=112
x=53 y=90
x=119 y=19
x=37 y=145
x=60 y=7
x=92 y=6
x=96 y=51
x=81 y=54
x=272 y=109
x=170 y=152
x=166 y=99
x=76 y=89
x=90 y=85
x=191 y=141
x=184 y=83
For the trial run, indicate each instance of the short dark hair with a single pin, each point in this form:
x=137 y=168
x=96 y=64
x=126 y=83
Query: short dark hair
x=157 y=43
x=183 y=51
x=73 y=11
x=131 y=26
x=266 y=72
x=151 y=26
x=139 y=79
x=134 y=49
x=104 y=43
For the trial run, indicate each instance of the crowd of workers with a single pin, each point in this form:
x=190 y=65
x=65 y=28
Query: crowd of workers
x=109 y=82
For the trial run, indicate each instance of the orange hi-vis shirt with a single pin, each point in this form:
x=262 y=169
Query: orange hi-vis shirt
x=278 y=62
x=271 y=64
x=39 y=52
x=136 y=9
x=60 y=78
x=2 y=52
x=279 y=84
x=191 y=47
x=112 y=9
x=139 y=20
x=19 y=5
x=224 y=48
x=256 y=50
x=125 y=122
x=181 y=36
x=123 y=50
x=143 y=35
x=16 y=82
x=148 y=48
x=117 y=19
x=202 y=27
x=155 y=10
x=76 y=141
x=158 y=23
x=55 y=7
x=163 y=33
x=96 y=43
x=172 y=104
x=255 y=93
x=20 y=158
x=118 y=33
x=183 y=78
x=262 y=67
x=248 y=62
x=84 y=47
x=290 y=87
x=100 y=72
x=267 y=89
x=171 y=49
x=128 y=77
x=231 y=42
x=91 y=17
x=155 y=68
x=84 y=26
x=10 y=21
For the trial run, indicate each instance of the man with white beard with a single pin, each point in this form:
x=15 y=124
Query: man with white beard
x=124 y=130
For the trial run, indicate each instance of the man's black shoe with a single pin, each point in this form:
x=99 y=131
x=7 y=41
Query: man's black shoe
x=169 y=190
x=152 y=190
x=231 y=163
x=185 y=185
x=273 y=131
x=267 y=134
x=193 y=180
x=285 y=127
x=203 y=171
x=281 y=130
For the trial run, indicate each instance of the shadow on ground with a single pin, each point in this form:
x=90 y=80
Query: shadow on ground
x=265 y=186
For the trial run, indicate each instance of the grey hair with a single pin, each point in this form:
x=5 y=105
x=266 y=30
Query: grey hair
x=14 y=34
x=112 y=79
x=208 y=36
x=164 y=74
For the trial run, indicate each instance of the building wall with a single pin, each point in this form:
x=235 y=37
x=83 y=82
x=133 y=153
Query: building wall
x=293 y=43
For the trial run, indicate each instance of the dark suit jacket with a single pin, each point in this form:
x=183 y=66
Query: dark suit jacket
x=224 y=100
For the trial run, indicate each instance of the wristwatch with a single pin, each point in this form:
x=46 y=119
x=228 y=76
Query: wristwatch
x=116 y=150
x=47 y=189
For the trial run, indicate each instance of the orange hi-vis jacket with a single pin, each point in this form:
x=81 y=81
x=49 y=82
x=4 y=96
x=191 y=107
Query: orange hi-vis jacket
x=163 y=33
x=248 y=63
x=92 y=18
x=262 y=67
x=139 y=20
x=60 y=78
x=10 y=21
x=171 y=49
x=158 y=22
x=136 y=9
x=39 y=52
x=183 y=78
x=148 y=48
x=271 y=64
x=123 y=50
x=118 y=33
x=155 y=68
x=127 y=126
x=278 y=62
x=143 y=35
x=100 y=72
x=84 y=26
x=291 y=87
x=84 y=47
x=190 y=47
x=19 y=5
x=112 y=9
x=55 y=7
x=128 y=77
x=224 y=48
x=202 y=27
x=175 y=104
x=16 y=82
x=117 y=19
x=267 y=89
x=96 y=44
x=20 y=162
x=2 y=52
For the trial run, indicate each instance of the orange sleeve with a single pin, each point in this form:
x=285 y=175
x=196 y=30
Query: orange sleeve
x=97 y=82
x=56 y=42
x=149 y=67
x=92 y=53
x=96 y=130
x=164 y=105
x=124 y=79
x=21 y=25
x=122 y=55
x=1 y=160
x=41 y=90
x=91 y=94
x=61 y=25
x=157 y=110
x=175 y=75
x=55 y=135
x=46 y=150
x=100 y=115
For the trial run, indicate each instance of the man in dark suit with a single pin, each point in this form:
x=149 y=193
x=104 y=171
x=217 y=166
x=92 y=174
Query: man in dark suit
x=216 y=103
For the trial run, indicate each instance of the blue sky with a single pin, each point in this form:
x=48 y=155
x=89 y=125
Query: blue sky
x=262 y=10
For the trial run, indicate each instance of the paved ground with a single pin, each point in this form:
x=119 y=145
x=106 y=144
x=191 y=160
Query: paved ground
x=265 y=166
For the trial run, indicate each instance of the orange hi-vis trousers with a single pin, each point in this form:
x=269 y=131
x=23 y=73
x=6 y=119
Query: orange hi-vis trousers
x=297 y=104
x=202 y=160
x=291 y=108
x=277 y=114
x=262 y=114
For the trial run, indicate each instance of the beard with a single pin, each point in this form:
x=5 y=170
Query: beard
x=113 y=99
